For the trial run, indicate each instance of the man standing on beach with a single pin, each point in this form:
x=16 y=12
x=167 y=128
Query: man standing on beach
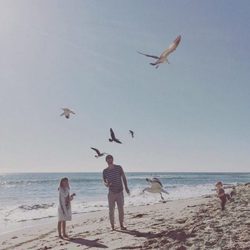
x=113 y=176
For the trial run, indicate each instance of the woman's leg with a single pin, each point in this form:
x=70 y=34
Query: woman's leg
x=64 y=228
x=59 y=228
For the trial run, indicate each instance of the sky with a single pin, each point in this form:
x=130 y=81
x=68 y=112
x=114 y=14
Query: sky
x=188 y=116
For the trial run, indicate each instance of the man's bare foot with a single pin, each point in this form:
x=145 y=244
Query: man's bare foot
x=123 y=228
x=65 y=236
x=60 y=236
x=112 y=228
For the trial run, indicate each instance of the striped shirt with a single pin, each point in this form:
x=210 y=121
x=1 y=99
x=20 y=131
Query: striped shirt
x=113 y=175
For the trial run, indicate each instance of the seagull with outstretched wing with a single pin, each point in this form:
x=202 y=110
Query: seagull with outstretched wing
x=113 y=138
x=99 y=154
x=67 y=112
x=156 y=187
x=163 y=57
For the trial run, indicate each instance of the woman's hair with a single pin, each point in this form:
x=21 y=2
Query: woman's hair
x=61 y=182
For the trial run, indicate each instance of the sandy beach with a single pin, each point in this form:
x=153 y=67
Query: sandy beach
x=196 y=223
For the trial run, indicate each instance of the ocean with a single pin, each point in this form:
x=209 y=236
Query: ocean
x=32 y=198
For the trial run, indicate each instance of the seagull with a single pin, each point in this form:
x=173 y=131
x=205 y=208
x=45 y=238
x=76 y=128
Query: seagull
x=67 y=112
x=99 y=154
x=132 y=133
x=163 y=57
x=156 y=187
x=113 y=138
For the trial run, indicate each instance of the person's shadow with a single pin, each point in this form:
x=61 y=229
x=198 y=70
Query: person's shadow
x=89 y=243
x=136 y=233
x=175 y=234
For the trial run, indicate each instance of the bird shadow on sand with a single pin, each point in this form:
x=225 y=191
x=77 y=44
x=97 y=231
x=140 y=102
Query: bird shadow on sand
x=89 y=243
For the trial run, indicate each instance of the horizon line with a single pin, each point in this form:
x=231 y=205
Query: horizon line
x=44 y=172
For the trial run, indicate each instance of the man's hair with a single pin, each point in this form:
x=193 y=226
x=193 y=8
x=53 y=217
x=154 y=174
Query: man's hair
x=109 y=156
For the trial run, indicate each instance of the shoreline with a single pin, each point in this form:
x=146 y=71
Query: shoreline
x=53 y=219
x=177 y=224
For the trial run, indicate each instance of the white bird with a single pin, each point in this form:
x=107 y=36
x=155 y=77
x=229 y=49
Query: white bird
x=163 y=57
x=156 y=187
x=67 y=112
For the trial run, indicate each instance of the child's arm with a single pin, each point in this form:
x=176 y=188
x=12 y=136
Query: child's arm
x=72 y=196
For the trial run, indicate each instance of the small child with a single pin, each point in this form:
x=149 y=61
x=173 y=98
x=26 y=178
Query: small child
x=221 y=194
x=64 y=208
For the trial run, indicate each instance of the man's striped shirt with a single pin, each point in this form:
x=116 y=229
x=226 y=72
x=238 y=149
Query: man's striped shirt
x=113 y=175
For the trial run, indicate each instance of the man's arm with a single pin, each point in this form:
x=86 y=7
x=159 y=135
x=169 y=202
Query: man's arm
x=124 y=179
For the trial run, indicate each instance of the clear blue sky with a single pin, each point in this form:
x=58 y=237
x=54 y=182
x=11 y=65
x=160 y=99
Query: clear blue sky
x=190 y=115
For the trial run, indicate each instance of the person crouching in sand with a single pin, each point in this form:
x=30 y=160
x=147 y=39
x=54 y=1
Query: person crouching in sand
x=64 y=208
x=221 y=194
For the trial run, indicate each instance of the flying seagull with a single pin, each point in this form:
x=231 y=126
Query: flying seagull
x=67 y=112
x=113 y=138
x=156 y=187
x=99 y=154
x=132 y=133
x=163 y=57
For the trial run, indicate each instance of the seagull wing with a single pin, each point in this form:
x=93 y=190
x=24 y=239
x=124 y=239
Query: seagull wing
x=112 y=134
x=132 y=133
x=155 y=57
x=148 y=180
x=96 y=150
x=62 y=114
x=171 y=48
x=118 y=141
x=72 y=112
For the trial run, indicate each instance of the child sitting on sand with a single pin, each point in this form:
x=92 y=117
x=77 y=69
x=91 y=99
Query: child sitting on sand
x=221 y=194
x=64 y=208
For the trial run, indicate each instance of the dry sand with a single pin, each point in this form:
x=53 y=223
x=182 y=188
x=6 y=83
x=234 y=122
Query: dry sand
x=196 y=223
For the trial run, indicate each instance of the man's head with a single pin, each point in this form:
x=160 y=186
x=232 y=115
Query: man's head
x=109 y=159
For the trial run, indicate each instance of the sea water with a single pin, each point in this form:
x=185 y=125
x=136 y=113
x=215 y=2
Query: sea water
x=32 y=198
